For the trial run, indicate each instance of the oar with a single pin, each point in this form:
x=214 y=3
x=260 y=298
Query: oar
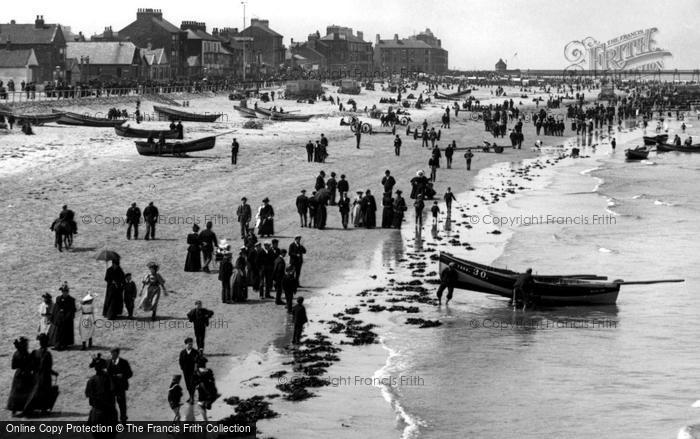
x=648 y=282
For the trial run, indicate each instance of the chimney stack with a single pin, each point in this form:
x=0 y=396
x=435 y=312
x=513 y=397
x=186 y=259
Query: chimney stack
x=39 y=22
x=360 y=35
x=396 y=37
x=378 y=39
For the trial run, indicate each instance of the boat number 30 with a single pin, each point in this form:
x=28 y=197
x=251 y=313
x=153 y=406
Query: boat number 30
x=479 y=273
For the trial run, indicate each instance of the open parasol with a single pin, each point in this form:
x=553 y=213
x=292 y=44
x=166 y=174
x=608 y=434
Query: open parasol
x=108 y=255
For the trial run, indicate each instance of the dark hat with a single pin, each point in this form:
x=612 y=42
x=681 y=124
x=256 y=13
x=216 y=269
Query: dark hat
x=297 y=237
x=303 y=191
x=188 y=340
x=177 y=378
x=98 y=362
x=266 y=200
x=244 y=199
x=46 y=296
x=64 y=287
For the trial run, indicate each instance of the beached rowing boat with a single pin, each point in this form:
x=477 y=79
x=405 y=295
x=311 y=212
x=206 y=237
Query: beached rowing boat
x=126 y=131
x=263 y=111
x=245 y=112
x=576 y=289
x=173 y=114
x=76 y=119
x=288 y=117
x=653 y=140
x=34 y=119
x=176 y=148
x=638 y=153
x=667 y=147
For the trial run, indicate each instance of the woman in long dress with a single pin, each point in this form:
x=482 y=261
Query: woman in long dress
x=239 y=283
x=23 y=381
x=388 y=211
x=357 y=210
x=369 y=210
x=62 y=315
x=98 y=390
x=206 y=386
x=154 y=284
x=45 y=308
x=193 y=262
x=114 y=294
x=86 y=328
x=265 y=217
x=41 y=397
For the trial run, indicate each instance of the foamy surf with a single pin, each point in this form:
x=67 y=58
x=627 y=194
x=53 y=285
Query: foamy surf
x=662 y=203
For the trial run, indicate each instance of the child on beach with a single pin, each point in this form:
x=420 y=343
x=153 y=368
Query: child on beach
x=175 y=397
x=436 y=211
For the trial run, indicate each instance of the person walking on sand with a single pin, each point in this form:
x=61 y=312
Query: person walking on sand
x=175 y=396
x=300 y=319
x=188 y=362
x=265 y=219
x=154 y=284
x=358 y=136
x=45 y=308
x=344 y=209
x=468 y=156
x=244 y=215
x=448 y=279
x=449 y=197
x=343 y=185
x=310 y=151
x=419 y=205
x=398 y=210
x=289 y=286
x=62 y=315
x=193 y=260
x=397 y=145
x=302 y=203
x=331 y=185
x=296 y=256
x=449 y=152
x=199 y=317
x=205 y=385
x=278 y=270
x=99 y=392
x=234 y=151
x=225 y=273
x=388 y=181
x=369 y=209
x=207 y=242
x=41 y=396
x=120 y=372
x=86 y=330
x=133 y=218
x=22 y=381
x=150 y=216
x=130 y=293
x=114 y=294
x=435 y=210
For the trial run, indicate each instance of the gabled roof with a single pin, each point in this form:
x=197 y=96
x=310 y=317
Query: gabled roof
x=200 y=35
x=165 y=24
x=28 y=33
x=154 y=57
x=342 y=36
x=265 y=28
x=17 y=58
x=103 y=52
x=407 y=43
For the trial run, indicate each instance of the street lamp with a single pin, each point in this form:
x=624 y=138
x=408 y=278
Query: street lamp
x=244 y=3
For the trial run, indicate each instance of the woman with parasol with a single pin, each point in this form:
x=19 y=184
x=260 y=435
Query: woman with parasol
x=154 y=284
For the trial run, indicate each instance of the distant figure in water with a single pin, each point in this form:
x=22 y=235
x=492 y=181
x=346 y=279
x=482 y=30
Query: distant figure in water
x=521 y=289
x=448 y=279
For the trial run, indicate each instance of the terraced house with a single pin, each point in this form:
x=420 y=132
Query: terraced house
x=206 y=56
x=46 y=40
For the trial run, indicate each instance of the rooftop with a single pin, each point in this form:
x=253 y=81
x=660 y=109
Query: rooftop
x=103 y=52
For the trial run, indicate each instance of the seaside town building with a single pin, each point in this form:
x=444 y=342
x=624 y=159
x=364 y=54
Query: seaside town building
x=501 y=66
x=206 y=57
x=346 y=53
x=305 y=57
x=418 y=53
x=157 y=63
x=268 y=52
x=151 y=28
x=18 y=66
x=107 y=60
x=46 y=40
x=240 y=48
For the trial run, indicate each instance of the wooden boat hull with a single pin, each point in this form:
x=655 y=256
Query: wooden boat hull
x=75 y=119
x=636 y=154
x=34 y=119
x=565 y=290
x=262 y=111
x=176 y=148
x=136 y=133
x=173 y=114
x=284 y=117
x=246 y=112
x=653 y=140
x=666 y=147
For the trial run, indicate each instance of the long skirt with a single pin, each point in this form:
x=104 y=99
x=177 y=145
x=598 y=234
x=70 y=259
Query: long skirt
x=357 y=216
x=267 y=227
x=239 y=286
x=87 y=327
x=149 y=302
x=114 y=302
x=22 y=384
x=397 y=220
x=370 y=219
x=193 y=262
x=387 y=217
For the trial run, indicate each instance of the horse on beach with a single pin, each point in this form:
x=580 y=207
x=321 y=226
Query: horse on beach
x=63 y=230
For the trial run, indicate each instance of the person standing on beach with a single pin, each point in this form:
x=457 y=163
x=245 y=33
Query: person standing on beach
x=133 y=218
x=119 y=372
x=154 y=284
x=387 y=211
x=266 y=261
x=63 y=314
x=199 y=317
x=188 y=362
x=343 y=185
x=313 y=207
x=435 y=210
x=41 y=397
x=150 y=216
x=388 y=181
x=397 y=146
x=310 y=151
x=86 y=328
x=225 y=273
x=244 y=214
x=613 y=143
x=521 y=289
x=300 y=319
x=449 y=152
x=344 y=209
x=302 y=203
x=398 y=210
x=278 y=270
x=234 y=151
x=100 y=394
x=114 y=294
x=265 y=217
x=468 y=156
x=433 y=169
x=320 y=181
x=419 y=205
x=207 y=242
x=296 y=256
x=130 y=292
x=45 y=308
x=289 y=286
x=449 y=198
x=369 y=209
x=175 y=396
x=358 y=136
x=448 y=279
x=331 y=185
x=22 y=381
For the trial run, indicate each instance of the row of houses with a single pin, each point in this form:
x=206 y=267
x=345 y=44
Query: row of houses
x=152 y=48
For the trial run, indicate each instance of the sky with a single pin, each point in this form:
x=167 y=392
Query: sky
x=475 y=32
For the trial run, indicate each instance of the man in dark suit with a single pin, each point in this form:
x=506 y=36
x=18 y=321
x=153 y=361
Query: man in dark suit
x=279 y=268
x=300 y=319
x=133 y=218
x=296 y=256
x=150 y=215
x=188 y=363
x=208 y=241
x=119 y=372
x=234 y=152
x=266 y=264
x=303 y=208
x=310 y=151
x=320 y=181
x=199 y=317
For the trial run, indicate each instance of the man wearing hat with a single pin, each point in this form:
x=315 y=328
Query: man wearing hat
x=188 y=363
x=208 y=241
x=86 y=328
x=296 y=256
x=100 y=394
x=399 y=209
x=244 y=214
x=343 y=185
x=303 y=208
x=199 y=317
x=150 y=216
x=300 y=319
x=388 y=181
x=133 y=218
x=266 y=264
x=320 y=181
x=120 y=372
x=225 y=273
x=344 y=209
x=332 y=184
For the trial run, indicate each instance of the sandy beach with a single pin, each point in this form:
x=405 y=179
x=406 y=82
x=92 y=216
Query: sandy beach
x=98 y=175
